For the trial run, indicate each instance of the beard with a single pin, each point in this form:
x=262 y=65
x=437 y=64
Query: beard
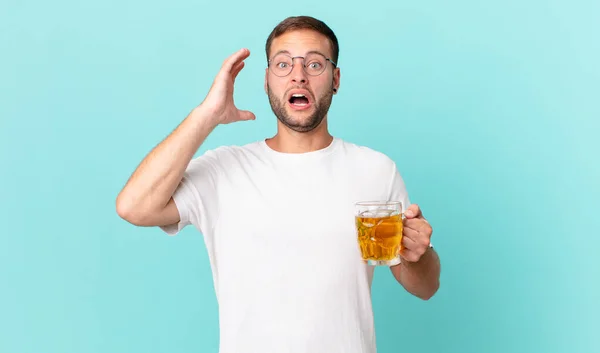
x=320 y=106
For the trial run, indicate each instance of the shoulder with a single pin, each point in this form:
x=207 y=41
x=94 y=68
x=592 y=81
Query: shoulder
x=226 y=155
x=364 y=155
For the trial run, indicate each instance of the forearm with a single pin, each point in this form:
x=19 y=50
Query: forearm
x=152 y=184
x=420 y=278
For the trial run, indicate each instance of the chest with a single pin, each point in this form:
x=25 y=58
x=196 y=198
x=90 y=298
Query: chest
x=286 y=232
x=292 y=216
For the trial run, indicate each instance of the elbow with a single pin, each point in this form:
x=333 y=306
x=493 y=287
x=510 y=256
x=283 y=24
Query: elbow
x=127 y=211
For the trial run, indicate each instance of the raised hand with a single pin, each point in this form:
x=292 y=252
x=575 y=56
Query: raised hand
x=219 y=101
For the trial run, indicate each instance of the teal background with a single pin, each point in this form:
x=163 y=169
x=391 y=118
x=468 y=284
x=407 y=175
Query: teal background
x=490 y=109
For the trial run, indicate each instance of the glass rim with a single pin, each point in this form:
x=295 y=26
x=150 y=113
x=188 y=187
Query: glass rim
x=378 y=203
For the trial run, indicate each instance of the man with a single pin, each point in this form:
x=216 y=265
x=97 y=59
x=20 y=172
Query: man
x=277 y=215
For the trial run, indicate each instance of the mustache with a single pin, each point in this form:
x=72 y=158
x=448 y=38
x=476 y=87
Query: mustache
x=300 y=87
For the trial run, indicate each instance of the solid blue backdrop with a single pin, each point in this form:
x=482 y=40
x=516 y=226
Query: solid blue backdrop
x=490 y=110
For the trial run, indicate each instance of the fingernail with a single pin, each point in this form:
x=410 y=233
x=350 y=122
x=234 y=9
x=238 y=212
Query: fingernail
x=408 y=213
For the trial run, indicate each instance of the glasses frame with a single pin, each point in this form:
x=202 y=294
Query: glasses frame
x=303 y=66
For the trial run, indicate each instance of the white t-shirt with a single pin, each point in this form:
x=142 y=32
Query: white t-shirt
x=279 y=230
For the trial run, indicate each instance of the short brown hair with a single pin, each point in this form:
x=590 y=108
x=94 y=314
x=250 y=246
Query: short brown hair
x=304 y=22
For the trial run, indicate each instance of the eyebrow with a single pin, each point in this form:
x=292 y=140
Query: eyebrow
x=308 y=52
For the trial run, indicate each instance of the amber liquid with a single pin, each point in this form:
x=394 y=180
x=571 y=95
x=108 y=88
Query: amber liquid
x=379 y=238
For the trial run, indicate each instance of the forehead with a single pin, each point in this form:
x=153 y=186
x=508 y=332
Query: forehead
x=299 y=42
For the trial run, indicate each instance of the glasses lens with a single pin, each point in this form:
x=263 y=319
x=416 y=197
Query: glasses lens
x=314 y=64
x=281 y=64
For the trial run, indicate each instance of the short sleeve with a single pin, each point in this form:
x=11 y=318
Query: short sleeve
x=196 y=195
x=398 y=190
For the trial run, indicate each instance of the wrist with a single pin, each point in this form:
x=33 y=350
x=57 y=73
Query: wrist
x=204 y=117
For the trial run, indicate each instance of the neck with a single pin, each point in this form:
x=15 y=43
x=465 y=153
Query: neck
x=289 y=141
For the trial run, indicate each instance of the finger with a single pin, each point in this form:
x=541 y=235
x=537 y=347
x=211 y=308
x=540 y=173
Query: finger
x=411 y=234
x=236 y=69
x=420 y=239
x=409 y=244
x=246 y=115
x=413 y=211
x=416 y=224
x=235 y=58
x=409 y=255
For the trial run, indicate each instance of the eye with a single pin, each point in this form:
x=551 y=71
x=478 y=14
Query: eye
x=282 y=65
x=315 y=65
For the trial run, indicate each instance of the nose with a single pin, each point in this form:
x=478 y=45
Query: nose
x=298 y=75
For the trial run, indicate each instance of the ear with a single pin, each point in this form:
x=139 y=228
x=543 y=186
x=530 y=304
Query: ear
x=266 y=76
x=336 y=79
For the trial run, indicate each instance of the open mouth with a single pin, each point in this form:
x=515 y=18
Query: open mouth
x=299 y=100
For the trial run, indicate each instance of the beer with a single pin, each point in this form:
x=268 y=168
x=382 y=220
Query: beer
x=380 y=235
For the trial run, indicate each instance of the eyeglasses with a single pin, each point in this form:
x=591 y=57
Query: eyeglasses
x=314 y=64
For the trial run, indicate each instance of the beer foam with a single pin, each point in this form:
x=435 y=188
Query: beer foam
x=383 y=213
x=377 y=213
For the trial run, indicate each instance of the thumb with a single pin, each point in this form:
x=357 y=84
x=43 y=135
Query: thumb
x=246 y=115
x=413 y=211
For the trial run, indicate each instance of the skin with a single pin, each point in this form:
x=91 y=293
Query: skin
x=146 y=199
x=419 y=270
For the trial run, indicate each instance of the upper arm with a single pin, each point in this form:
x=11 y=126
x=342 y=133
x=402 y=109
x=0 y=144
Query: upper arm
x=168 y=216
x=195 y=200
x=165 y=216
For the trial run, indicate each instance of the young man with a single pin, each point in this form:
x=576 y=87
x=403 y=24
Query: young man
x=277 y=215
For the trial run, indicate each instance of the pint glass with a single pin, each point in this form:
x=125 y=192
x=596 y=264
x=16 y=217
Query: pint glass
x=379 y=229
